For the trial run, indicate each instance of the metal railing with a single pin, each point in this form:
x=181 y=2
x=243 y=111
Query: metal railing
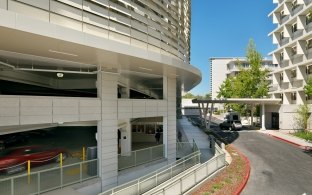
x=49 y=179
x=186 y=182
x=155 y=178
x=141 y=156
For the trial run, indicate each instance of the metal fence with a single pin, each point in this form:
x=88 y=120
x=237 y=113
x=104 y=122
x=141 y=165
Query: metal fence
x=155 y=178
x=139 y=157
x=188 y=181
x=49 y=179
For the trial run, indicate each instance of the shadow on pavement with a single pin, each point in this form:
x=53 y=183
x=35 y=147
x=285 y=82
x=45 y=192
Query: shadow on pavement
x=226 y=137
x=308 y=152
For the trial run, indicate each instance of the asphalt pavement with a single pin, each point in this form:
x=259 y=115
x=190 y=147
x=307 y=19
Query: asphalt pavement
x=277 y=167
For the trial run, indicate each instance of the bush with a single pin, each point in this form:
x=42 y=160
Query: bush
x=304 y=135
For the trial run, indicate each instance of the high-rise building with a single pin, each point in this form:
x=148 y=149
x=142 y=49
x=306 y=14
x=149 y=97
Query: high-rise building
x=223 y=67
x=293 y=55
x=101 y=63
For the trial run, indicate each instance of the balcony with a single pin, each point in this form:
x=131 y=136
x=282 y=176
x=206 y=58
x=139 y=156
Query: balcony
x=284 y=63
x=296 y=9
x=273 y=87
x=297 y=34
x=308 y=27
x=309 y=54
x=307 y=2
x=296 y=83
x=284 y=41
x=284 y=86
x=284 y=18
x=297 y=58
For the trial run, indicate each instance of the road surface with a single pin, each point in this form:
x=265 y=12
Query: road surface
x=276 y=167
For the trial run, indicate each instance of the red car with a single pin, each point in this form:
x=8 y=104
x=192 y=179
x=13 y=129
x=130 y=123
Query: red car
x=15 y=159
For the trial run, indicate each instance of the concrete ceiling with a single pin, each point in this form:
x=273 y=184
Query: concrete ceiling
x=28 y=49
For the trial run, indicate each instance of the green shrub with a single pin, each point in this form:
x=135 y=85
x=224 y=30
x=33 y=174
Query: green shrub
x=304 y=135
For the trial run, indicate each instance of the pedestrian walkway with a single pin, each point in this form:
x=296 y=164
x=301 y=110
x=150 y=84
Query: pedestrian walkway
x=190 y=132
x=285 y=136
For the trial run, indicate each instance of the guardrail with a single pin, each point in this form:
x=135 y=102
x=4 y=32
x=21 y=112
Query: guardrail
x=49 y=179
x=139 y=157
x=188 y=181
x=155 y=178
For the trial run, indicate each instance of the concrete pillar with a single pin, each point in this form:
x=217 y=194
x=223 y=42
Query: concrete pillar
x=263 y=117
x=170 y=125
x=125 y=141
x=107 y=130
x=210 y=114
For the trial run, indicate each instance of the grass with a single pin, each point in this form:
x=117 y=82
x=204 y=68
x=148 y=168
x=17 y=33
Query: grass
x=306 y=135
x=228 y=180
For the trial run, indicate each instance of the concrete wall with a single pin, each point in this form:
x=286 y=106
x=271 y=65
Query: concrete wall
x=23 y=110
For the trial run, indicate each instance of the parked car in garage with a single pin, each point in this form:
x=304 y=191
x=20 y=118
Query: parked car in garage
x=15 y=159
x=12 y=139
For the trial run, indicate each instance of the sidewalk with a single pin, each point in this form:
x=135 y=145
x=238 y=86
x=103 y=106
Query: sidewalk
x=288 y=138
x=190 y=132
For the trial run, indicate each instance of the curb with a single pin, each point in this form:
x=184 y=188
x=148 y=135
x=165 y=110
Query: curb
x=290 y=142
x=246 y=177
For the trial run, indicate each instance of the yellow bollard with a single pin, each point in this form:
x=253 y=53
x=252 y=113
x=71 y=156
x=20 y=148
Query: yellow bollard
x=83 y=153
x=28 y=171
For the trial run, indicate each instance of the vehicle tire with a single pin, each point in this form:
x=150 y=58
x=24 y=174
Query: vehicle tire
x=57 y=159
x=15 y=169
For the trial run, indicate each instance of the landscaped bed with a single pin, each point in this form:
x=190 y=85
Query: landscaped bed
x=231 y=180
x=306 y=135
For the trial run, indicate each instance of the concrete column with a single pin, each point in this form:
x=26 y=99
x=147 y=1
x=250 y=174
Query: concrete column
x=210 y=114
x=263 y=117
x=125 y=141
x=170 y=133
x=107 y=130
x=165 y=118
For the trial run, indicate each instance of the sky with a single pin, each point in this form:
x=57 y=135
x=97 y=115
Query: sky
x=224 y=28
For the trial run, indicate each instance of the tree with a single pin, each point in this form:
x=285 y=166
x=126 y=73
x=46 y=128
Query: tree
x=189 y=96
x=308 y=87
x=303 y=114
x=302 y=117
x=248 y=83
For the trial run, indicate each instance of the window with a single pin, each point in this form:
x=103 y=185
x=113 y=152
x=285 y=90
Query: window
x=309 y=17
x=281 y=56
x=294 y=96
x=309 y=44
x=309 y=70
x=294 y=5
x=282 y=35
x=282 y=14
x=294 y=50
x=281 y=77
x=294 y=28
x=293 y=73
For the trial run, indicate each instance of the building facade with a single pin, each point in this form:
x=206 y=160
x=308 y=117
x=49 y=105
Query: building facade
x=224 y=67
x=102 y=63
x=293 y=38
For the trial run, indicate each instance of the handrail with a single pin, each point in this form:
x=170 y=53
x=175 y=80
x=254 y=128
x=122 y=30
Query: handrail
x=36 y=183
x=196 y=153
x=149 y=176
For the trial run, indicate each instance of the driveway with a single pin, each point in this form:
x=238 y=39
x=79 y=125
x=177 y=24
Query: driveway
x=276 y=167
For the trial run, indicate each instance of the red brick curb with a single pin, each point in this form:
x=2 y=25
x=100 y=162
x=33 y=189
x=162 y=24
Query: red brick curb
x=246 y=177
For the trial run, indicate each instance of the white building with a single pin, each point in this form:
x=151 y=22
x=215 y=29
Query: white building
x=223 y=67
x=101 y=63
x=293 y=38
